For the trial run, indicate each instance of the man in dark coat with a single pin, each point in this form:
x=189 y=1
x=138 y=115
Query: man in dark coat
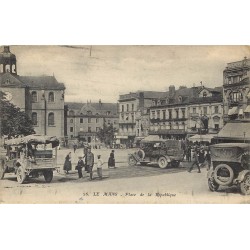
x=111 y=161
x=196 y=162
x=90 y=162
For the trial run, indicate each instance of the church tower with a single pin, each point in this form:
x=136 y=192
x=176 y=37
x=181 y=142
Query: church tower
x=7 y=61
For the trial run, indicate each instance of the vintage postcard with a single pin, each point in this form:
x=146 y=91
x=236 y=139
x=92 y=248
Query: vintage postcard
x=124 y=124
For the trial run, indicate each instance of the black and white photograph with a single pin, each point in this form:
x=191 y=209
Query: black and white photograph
x=125 y=124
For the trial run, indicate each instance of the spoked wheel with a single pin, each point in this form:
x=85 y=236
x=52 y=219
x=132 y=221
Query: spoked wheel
x=20 y=175
x=162 y=162
x=48 y=175
x=2 y=169
x=131 y=161
x=245 y=185
x=213 y=186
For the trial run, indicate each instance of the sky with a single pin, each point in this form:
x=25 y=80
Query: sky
x=104 y=72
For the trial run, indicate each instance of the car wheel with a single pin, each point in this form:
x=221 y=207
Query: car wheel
x=213 y=186
x=48 y=175
x=223 y=175
x=131 y=161
x=2 y=169
x=162 y=162
x=20 y=175
x=245 y=185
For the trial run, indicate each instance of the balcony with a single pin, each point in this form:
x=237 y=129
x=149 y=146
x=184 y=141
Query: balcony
x=127 y=133
x=167 y=120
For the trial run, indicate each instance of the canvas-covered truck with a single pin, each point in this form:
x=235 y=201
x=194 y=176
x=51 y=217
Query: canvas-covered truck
x=230 y=166
x=30 y=157
x=165 y=153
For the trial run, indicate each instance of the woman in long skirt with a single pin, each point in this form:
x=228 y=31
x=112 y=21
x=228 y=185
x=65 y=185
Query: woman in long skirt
x=111 y=161
x=67 y=164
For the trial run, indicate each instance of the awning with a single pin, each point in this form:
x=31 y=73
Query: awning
x=121 y=137
x=199 y=138
x=235 y=130
x=247 y=110
x=233 y=111
x=240 y=111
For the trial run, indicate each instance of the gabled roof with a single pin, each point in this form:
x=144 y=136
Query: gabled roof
x=42 y=82
x=10 y=80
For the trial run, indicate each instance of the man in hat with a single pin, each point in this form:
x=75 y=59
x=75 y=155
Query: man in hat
x=196 y=161
x=90 y=162
x=80 y=165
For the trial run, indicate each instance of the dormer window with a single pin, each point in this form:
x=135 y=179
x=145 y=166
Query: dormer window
x=180 y=98
x=204 y=94
x=108 y=113
x=167 y=100
x=71 y=112
x=89 y=112
x=159 y=102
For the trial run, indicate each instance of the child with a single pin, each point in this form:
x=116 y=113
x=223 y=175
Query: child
x=80 y=165
x=99 y=166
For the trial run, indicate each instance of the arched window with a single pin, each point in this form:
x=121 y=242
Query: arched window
x=51 y=119
x=71 y=120
x=51 y=97
x=71 y=112
x=34 y=96
x=34 y=118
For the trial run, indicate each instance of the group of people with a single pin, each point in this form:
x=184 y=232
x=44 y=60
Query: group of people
x=87 y=162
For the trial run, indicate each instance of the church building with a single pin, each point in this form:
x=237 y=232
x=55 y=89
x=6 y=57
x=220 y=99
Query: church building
x=41 y=97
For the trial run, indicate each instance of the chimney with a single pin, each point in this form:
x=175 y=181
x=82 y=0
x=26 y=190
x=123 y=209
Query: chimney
x=171 y=90
x=141 y=100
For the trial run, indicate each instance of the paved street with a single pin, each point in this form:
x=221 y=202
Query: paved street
x=139 y=184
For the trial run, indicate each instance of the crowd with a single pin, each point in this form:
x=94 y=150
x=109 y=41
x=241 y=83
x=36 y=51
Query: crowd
x=86 y=163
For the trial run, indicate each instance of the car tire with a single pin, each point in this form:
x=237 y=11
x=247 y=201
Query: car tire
x=20 y=175
x=245 y=185
x=162 y=162
x=2 y=168
x=217 y=177
x=48 y=175
x=212 y=185
x=131 y=161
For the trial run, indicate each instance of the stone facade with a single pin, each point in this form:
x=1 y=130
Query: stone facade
x=236 y=86
x=41 y=97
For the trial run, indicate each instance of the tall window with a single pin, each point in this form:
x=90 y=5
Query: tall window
x=153 y=114
x=81 y=120
x=170 y=114
x=132 y=107
x=158 y=114
x=194 y=110
x=205 y=110
x=89 y=120
x=216 y=109
x=34 y=118
x=34 y=96
x=164 y=114
x=97 y=120
x=51 y=119
x=122 y=108
x=127 y=107
x=71 y=129
x=51 y=97
x=183 y=113
x=177 y=113
x=89 y=129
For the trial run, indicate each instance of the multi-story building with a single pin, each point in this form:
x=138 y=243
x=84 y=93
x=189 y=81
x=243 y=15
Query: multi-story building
x=236 y=86
x=85 y=120
x=186 y=111
x=41 y=97
x=134 y=116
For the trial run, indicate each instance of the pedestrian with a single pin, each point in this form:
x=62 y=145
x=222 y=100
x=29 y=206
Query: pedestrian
x=189 y=154
x=85 y=151
x=79 y=166
x=99 y=166
x=201 y=158
x=90 y=163
x=67 y=164
x=196 y=162
x=74 y=147
x=111 y=161
x=208 y=159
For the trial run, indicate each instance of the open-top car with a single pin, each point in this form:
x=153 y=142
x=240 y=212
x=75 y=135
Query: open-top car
x=30 y=156
x=230 y=166
x=165 y=153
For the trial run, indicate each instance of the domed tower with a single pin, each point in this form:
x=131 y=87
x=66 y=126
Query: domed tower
x=7 y=61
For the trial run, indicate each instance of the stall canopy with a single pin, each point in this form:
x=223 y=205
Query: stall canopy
x=233 y=111
x=235 y=130
x=199 y=138
x=247 y=110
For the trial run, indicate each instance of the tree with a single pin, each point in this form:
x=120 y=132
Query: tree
x=106 y=134
x=14 y=122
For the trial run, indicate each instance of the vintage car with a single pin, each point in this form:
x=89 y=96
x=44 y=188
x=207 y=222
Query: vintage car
x=30 y=156
x=165 y=153
x=230 y=166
